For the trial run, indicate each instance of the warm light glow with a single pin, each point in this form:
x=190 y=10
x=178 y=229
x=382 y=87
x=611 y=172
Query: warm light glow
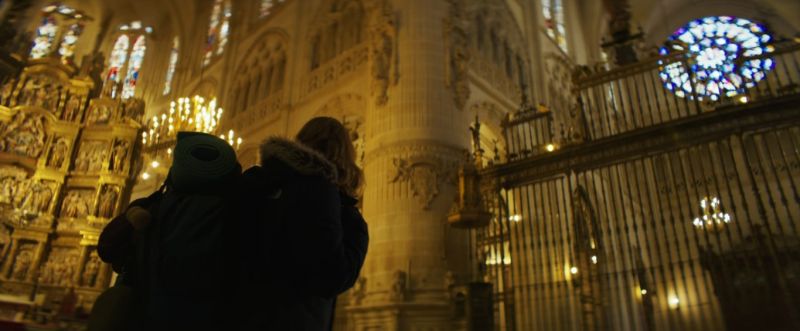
x=154 y=164
x=515 y=218
x=186 y=114
x=573 y=270
x=594 y=259
x=550 y=147
x=644 y=292
x=145 y=176
x=713 y=217
x=674 y=302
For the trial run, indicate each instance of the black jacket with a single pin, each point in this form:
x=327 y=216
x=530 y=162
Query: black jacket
x=312 y=239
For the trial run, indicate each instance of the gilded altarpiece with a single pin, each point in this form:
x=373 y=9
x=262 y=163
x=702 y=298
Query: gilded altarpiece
x=66 y=168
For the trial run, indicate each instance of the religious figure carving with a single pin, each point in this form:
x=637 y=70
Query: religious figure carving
x=108 y=200
x=11 y=184
x=72 y=107
x=98 y=114
x=91 y=270
x=399 y=286
x=38 y=197
x=58 y=153
x=76 y=204
x=23 y=262
x=133 y=108
x=359 y=291
x=25 y=135
x=91 y=156
x=119 y=155
x=576 y=132
x=383 y=47
x=458 y=54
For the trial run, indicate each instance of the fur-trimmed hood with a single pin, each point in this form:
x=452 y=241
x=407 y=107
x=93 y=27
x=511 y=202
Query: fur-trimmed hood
x=299 y=157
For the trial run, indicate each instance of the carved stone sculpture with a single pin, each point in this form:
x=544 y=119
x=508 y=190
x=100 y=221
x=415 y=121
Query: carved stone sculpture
x=383 y=54
x=91 y=157
x=72 y=108
x=424 y=177
x=108 y=200
x=58 y=153
x=38 y=197
x=7 y=91
x=25 y=135
x=90 y=271
x=76 y=204
x=23 y=262
x=458 y=54
x=119 y=156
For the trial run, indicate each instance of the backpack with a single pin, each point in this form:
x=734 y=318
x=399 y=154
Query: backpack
x=190 y=256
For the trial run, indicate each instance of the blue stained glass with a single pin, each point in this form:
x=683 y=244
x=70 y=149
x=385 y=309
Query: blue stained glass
x=714 y=44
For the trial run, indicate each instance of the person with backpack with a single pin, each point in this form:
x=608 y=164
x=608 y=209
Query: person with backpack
x=179 y=249
x=317 y=237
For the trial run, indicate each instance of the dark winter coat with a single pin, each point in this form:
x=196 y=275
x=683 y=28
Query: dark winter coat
x=184 y=266
x=313 y=239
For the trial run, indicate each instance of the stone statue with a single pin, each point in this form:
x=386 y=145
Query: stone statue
x=37 y=198
x=119 y=155
x=23 y=262
x=383 y=50
x=58 y=153
x=73 y=105
x=98 y=114
x=107 y=202
x=25 y=135
x=398 y=290
x=91 y=270
x=577 y=129
x=458 y=54
x=76 y=204
x=91 y=156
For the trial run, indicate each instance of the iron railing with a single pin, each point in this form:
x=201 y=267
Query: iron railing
x=676 y=215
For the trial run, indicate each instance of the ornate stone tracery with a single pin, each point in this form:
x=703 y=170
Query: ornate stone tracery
x=458 y=53
x=261 y=76
x=383 y=46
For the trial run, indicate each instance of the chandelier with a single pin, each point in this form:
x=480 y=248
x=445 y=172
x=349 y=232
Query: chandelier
x=195 y=114
x=713 y=217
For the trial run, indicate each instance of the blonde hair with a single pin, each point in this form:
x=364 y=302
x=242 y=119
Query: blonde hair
x=329 y=137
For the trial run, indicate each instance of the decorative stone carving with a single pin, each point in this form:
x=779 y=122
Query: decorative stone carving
x=133 y=108
x=58 y=152
x=7 y=91
x=383 y=46
x=77 y=203
x=60 y=267
x=38 y=196
x=424 y=175
x=359 y=291
x=458 y=55
x=25 y=135
x=22 y=263
x=93 y=154
x=119 y=156
x=72 y=108
x=12 y=185
x=99 y=114
x=399 y=286
x=90 y=270
x=108 y=201
x=576 y=129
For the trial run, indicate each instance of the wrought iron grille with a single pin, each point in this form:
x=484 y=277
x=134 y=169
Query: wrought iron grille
x=688 y=221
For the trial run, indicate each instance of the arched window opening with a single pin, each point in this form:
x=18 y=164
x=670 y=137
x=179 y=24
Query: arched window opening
x=119 y=55
x=720 y=48
x=126 y=59
x=341 y=31
x=135 y=63
x=553 y=12
x=173 y=62
x=218 y=30
x=60 y=28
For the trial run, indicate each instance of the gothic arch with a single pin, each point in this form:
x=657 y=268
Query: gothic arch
x=338 y=26
x=261 y=73
x=496 y=37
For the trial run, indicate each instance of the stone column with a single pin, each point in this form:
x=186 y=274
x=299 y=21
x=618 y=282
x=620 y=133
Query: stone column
x=12 y=252
x=415 y=138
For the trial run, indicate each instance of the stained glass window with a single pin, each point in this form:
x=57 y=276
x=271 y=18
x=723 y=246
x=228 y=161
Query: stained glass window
x=119 y=54
x=553 y=12
x=135 y=63
x=45 y=38
x=718 y=48
x=173 y=61
x=218 y=30
x=68 y=42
